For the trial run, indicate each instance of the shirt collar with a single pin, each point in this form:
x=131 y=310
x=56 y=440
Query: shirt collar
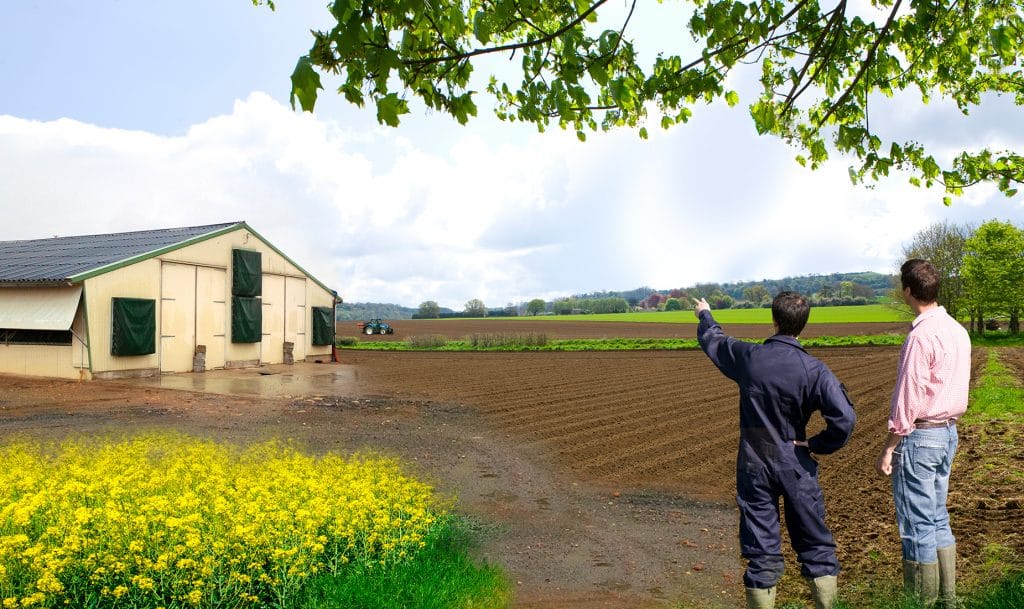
x=927 y=315
x=784 y=338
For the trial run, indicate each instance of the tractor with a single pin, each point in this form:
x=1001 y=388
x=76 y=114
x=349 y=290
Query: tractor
x=376 y=326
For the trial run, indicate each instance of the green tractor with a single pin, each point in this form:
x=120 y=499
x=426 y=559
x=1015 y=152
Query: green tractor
x=376 y=326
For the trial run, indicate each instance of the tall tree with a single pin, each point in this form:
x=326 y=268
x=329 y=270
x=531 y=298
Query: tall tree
x=429 y=309
x=757 y=294
x=825 y=70
x=994 y=272
x=535 y=306
x=942 y=244
x=476 y=308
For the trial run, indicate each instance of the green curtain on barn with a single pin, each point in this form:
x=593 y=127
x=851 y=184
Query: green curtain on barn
x=246 y=273
x=133 y=326
x=323 y=325
x=246 y=320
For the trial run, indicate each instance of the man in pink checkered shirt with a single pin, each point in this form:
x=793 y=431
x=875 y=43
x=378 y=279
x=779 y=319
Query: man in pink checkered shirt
x=931 y=394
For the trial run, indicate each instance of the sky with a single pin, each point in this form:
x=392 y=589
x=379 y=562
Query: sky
x=119 y=116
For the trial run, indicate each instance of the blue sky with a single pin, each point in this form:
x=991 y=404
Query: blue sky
x=120 y=116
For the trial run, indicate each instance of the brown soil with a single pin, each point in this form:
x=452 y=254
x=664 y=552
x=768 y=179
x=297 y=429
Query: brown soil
x=596 y=479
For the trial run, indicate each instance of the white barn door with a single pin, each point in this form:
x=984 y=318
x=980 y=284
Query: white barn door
x=273 y=319
x=177 y=317
x=296 y=316
x=211 y=314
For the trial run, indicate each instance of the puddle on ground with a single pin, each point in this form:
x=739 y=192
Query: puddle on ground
x=278 y=380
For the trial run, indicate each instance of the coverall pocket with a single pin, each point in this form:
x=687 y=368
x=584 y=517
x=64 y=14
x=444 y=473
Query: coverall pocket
x=807 y=462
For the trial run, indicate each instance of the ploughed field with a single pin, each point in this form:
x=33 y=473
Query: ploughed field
x=668 y=420
x=456 y=329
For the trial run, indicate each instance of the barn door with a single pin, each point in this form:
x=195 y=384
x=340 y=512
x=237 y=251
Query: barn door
x=177 y=317
x=273 y=319
x=295 y=317
x=211 y=314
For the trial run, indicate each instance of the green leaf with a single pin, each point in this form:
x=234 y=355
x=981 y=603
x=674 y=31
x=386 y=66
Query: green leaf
x=481 y=29
x=732 y=98
x=305 y=84
x=389 y=108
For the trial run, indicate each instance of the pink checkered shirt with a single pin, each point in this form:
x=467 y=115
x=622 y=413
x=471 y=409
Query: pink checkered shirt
x=934 y=373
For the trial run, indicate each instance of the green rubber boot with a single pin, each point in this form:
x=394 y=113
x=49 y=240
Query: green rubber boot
x=761 y=598
x=921 y=581
x=824 y=590
x=947 y=577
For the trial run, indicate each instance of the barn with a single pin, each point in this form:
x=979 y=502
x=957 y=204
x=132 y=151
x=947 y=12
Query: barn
x=157 y=301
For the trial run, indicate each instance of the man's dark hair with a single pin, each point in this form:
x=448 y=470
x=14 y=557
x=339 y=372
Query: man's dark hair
x=922 y=278
x=789 y=312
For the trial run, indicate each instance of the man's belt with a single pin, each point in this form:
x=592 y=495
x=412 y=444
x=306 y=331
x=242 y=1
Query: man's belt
x=934 y=424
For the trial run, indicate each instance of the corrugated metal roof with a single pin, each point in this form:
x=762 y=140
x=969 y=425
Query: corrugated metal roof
x=62 y=258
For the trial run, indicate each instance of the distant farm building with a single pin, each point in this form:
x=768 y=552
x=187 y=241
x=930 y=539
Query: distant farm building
x=157 y=301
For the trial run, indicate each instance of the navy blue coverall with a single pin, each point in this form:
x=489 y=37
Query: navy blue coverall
x=780 y=387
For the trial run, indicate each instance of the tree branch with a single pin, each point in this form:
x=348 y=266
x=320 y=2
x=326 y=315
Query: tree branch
x=868 y=60
x=510 y=47
x=826 y=33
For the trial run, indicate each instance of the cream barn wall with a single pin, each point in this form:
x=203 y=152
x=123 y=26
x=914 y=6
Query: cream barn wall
x=140 y=280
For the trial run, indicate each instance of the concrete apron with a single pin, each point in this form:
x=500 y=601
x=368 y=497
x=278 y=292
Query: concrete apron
x=270 y=381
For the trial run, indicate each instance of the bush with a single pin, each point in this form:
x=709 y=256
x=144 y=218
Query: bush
x=346 y=341
x=426 y=341
x=491 y=341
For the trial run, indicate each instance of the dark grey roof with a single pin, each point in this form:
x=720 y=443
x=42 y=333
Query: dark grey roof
x=60 y=259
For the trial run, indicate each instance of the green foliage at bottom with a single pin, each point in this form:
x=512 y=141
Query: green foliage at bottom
x=441 y=576
x=1005 y=594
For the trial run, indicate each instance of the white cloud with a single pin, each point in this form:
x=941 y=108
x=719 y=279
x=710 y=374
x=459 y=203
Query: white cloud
x=387 y=215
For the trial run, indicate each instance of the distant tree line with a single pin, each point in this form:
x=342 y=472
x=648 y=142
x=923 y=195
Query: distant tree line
x=982 y=270
x=823 y=290
x=362 y=311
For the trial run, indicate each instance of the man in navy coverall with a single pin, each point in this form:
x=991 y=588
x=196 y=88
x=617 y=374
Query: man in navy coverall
x=781 y=386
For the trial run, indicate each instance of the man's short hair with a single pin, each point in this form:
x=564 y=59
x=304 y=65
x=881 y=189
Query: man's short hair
x=789 y=312
x=922 y=278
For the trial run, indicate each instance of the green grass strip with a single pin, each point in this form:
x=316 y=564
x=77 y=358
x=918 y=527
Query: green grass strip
x=618 y=344
x=440 y=576
x=997 y=339
x=997 y=393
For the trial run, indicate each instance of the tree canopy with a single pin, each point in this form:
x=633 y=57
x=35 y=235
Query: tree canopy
x=825 y=69
x=993 y=269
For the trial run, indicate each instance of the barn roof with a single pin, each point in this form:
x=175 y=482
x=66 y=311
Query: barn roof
x=69 y=259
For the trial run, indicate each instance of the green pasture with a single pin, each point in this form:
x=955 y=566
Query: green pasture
x=819 y=315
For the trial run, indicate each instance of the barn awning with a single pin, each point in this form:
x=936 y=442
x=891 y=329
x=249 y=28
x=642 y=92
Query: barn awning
x=39 y=308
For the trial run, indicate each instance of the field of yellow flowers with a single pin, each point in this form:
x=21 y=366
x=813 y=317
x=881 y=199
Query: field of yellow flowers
x=165 y=520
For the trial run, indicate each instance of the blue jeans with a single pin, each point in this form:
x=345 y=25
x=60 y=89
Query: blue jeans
x=920 y=483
